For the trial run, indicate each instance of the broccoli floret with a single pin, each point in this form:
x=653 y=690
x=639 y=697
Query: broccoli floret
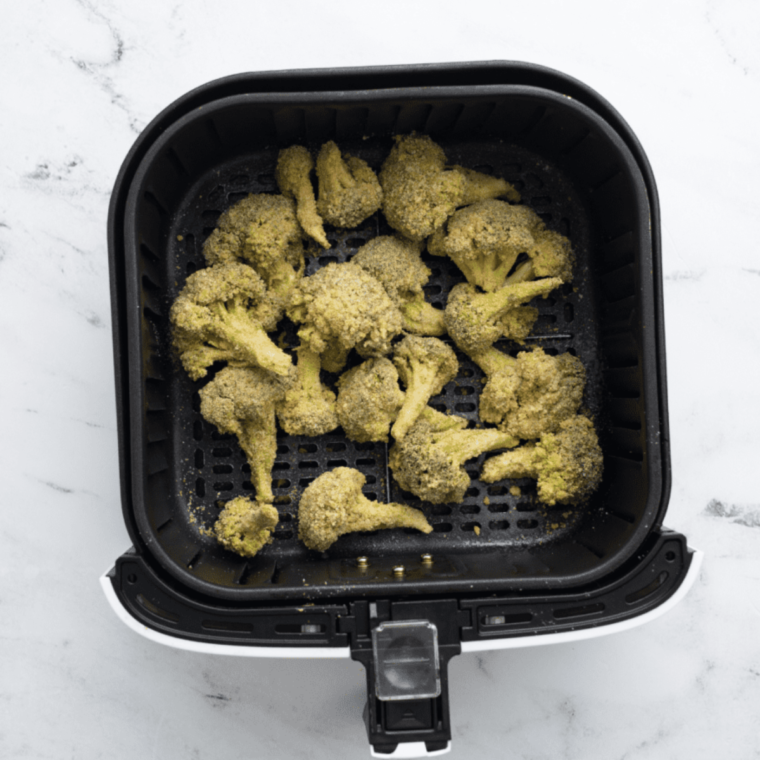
x=308 y=407
x=369 y=400
x=242 y=401
x=425 y=365
x=420 y=193
x=397 y=265
x=566 y=464
x=334 y=358
x=531 y=394
x=348 y=189
x=245 y=526
x=341 y=307
x=334 y=504
x=215 y=319
x=263 y=231
x=485 y=240
x=429 y=461
x=477 y=320
x=294 y=166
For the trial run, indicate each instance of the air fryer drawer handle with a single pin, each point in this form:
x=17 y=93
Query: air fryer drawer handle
x=407 y=710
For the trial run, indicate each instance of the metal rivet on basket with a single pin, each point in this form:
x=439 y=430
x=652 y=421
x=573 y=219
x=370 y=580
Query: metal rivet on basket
x=399 y=571
x=427 y=559
x=362 y=562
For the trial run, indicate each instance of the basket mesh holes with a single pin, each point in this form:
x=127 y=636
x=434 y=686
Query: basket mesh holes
x=303 y=482
x=310 y=465
x=332 y=448
x=470 y=526
x=472 y=492
x=198 y=431
x=225 y=486
x=465 y=407
x=196 y=402
x=366 y=461
x=200 y=487
x=470 y=509
x=221 y=451
x=337 y=463
x=278 y=466
x=527 y=524
x=442 y=527
x=222 y=469
x=355 y=242
x=199 y=459
x=440 y=510
x=307 y=448
x=499 y=507
x=235 y=197
x=371 y=496
x=281 y=483
x=498 y=525
x=323 y=260
x=464 y=390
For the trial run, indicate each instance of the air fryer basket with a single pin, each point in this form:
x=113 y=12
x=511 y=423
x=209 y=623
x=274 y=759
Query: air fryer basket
x=572 y=169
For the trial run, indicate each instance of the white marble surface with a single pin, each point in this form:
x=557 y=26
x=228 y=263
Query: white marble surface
x=79 y=81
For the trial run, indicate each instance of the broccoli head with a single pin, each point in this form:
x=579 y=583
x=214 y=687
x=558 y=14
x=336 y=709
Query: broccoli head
x=485 y=240
x=567 y=464
x=294 y=166
x=369 y=400
x=477 y=320
x=531 y=394
x=217 y=317
x=425 y=365
x=341 y=307
x=429 y=461
x=420 y=193
x=242 y=401
x=334 y=504
x=308 y=407
x=245 y=526
x=397 y=265
x=348 y=189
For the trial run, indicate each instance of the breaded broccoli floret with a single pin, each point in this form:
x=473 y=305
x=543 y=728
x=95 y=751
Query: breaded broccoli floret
x=308 y=407
x=566 y=464
x=531 y=394
x=348 y=189
x=342 y=307
x=397 y=265
x=294 y=166
x=334 y=504
x=263 y=231
x=429 y=461
x=215 y=319
x=369 y=400
x=485 y=240
x=424 y=365
x=245 y=526
x=242 y=401
x=420 y=193
x=477 y=320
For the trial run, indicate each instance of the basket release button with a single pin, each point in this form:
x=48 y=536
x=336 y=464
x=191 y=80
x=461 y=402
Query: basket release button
x=406 y=663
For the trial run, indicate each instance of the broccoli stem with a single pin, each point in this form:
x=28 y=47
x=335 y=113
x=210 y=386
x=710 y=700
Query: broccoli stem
x=280 y=277
x=491 y=271
x=371 y=515
x=462 y=445
x=422 y=379
x=512 y=464
x=523 y=273
x=493 y=305
x=481 y=187
x=308 y=367
x=259 y=442
x=422 y=318
x=492 y=361
x=235 y=326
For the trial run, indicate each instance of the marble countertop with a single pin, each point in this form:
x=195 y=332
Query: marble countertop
x=80 y=81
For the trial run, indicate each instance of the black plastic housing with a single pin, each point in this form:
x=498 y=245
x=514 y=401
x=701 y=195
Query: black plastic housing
x=530 y=124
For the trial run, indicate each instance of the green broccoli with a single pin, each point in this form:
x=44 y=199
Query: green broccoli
x=245 y=526
x=566 y=464
x=215 y=319
x=242 y=401
x=348 y=189
x=294 y=166
x=369 y=400
x=334 y=504
x=531 y=394
x=429 y=461
x=477 y=320
x=485 y=240
x=425 y=365
x=341 y=307
x=308 y=407
x=397 y=265
x=420 y=193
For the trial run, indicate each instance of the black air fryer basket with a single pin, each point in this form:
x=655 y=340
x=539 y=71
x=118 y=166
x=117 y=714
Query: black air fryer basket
x=498 y=566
